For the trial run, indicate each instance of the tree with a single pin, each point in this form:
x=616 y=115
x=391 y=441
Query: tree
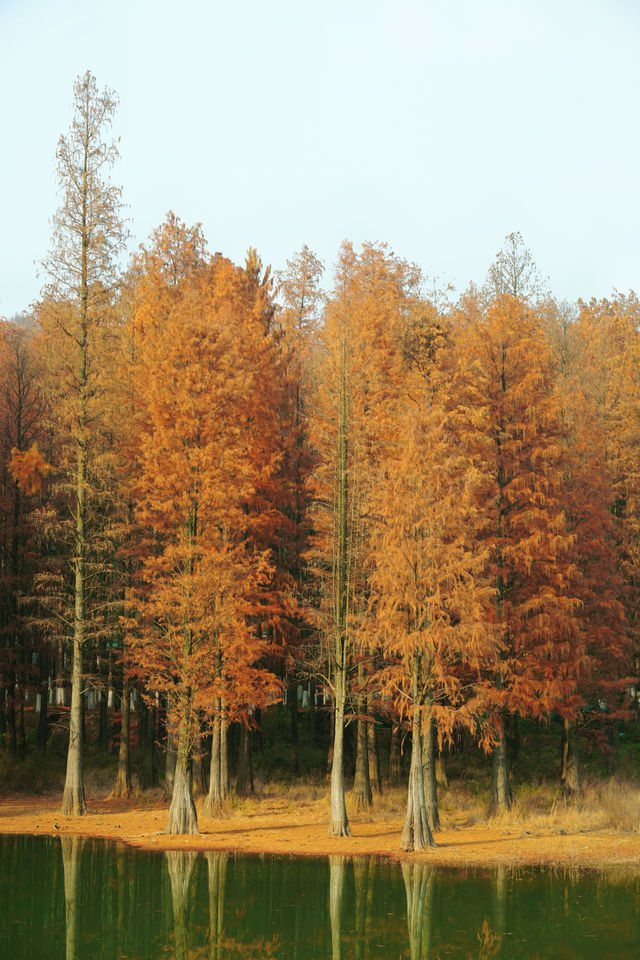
x=427 y=601
x=594 y=659
x=514 y=272
x=355 y=391
x=193 y=631
x=88 y=234
x=514 y=441
x=156 y=274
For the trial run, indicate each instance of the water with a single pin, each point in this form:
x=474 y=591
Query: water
x=66 y=897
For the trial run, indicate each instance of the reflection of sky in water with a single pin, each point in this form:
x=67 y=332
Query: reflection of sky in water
x=69 y=897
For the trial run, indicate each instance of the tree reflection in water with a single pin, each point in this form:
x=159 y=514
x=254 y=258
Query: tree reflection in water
x=363 y=868
x=180 y=864
x=418 y=882
x=71 y=857
x=499 y=899
x=217 y=865
x=337 y=867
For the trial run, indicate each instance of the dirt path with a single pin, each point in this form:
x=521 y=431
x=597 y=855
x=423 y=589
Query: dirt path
x=282 y=827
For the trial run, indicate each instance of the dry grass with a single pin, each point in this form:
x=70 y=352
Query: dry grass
x=612 y=804
x=604 y=805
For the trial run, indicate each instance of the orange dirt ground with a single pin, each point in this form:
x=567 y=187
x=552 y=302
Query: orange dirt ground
x=278 y=826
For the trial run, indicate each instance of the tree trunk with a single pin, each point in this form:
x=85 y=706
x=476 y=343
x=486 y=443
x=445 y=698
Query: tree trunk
x=83 y=718
x=501 y=796
x=60 y=694
x=292 y=703
x=244 y=776
x=442 y=778
x=43 y=718
x=122 y=787
x=182 y=812
x=362 y=797
x=103 y=735
x=213 y=805
x=339 y=825
x=394 y=755
x=199 y=786
x=512 y=728
x=11 y=723
x=170 y=764
x=224 y=753
x=73 y=801
x=147 y=744
x=22 y=737
x=430 y=787
x=372 y=751
x=416 y=834
x=572 y=781
x=332 y=734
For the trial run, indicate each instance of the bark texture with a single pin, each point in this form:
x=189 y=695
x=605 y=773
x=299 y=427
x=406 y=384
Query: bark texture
x=501 y=796
x=339 y=825
x=375 y=778
x=182 y=812
x=214 y=802
x=430 y=782
x=122 y=786
x=572 y=780
x=416 y=833
x=362 y=796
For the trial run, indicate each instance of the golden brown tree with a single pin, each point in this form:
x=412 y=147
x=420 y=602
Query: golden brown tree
x=356 y=384
x=194 y=635
x=514 y=440
x=427 y=600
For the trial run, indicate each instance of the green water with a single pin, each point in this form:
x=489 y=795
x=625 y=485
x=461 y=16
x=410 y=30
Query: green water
x=72 y=898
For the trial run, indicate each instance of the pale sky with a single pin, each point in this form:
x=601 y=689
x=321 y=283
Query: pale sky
x=437 y=126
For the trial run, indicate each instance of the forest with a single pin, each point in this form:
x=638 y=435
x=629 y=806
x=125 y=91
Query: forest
x=335 y=505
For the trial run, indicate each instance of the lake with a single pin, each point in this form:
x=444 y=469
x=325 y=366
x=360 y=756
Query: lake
x=67 y=897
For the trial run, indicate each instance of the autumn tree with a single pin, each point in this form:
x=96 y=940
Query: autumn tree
x=191 y=631
x=594 y=659
x=88 y=234
x=514 y=441
x=427 y=600
x=157 y=273
x=355 y=382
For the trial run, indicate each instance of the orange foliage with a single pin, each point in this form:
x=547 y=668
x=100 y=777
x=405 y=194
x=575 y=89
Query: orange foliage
x=29 y=468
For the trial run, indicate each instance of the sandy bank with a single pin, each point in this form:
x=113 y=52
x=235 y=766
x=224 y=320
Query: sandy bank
x=286 y=828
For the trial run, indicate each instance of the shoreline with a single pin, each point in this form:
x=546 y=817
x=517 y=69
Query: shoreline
x=274 y=828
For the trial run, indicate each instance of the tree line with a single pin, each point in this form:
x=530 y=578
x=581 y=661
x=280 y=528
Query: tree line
x=217 y=482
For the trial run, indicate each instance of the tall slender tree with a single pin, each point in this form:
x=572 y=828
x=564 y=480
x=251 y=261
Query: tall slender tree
x=355 y=389
x=88 y=234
